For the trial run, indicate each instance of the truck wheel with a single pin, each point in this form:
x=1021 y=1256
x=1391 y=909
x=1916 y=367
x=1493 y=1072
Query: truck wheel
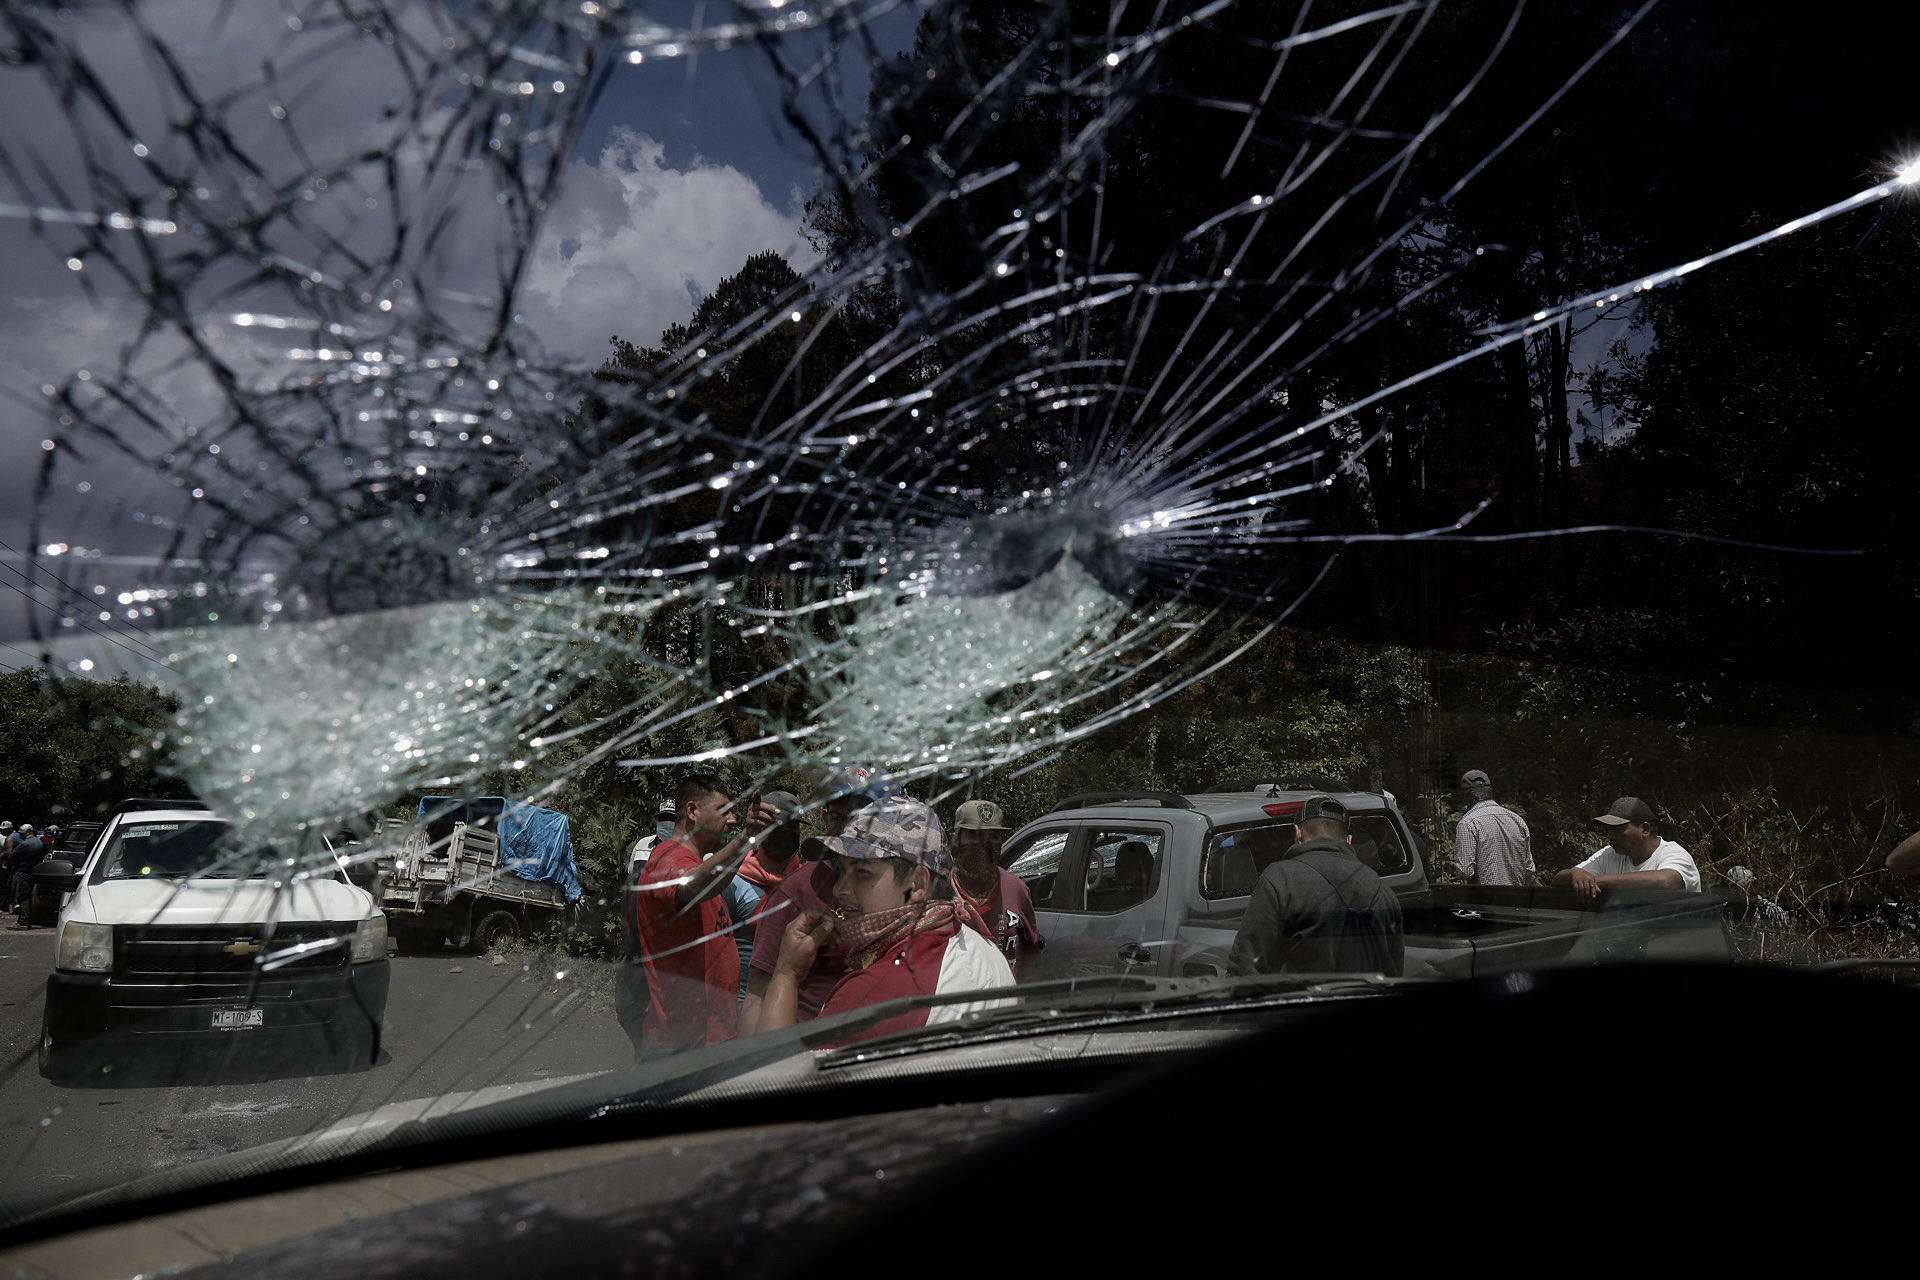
x=494 y=927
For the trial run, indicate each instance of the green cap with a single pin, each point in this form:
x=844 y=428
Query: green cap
x=980 y=815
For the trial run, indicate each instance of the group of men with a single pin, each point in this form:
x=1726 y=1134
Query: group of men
x=21 y=851
x=735 y=924
x=1320 y=907
x=1492 y=846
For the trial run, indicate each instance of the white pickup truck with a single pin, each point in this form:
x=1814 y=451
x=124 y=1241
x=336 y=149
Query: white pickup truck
x=169 y=934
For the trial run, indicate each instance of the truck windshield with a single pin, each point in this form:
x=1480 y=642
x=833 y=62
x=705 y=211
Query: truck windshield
x=192 y=849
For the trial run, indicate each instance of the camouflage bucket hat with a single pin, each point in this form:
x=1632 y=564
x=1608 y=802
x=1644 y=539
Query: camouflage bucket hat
x=895 y=827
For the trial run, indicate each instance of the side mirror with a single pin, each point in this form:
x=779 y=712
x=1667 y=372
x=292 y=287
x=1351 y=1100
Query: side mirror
x=57 y=874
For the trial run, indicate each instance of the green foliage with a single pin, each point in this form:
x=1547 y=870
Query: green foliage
x=77 y=747
x=1297 y=706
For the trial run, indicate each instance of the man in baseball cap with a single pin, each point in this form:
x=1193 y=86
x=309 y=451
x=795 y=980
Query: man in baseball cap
x=1634 y=857
x=979 y=830
x=1491 y=843
x=1318 y=908
x=774 y=857
x=895 y=913
x=847 y=789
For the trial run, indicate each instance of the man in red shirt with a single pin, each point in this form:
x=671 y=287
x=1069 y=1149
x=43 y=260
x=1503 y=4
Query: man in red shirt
x=808 y=887
x=904 y=930
x=1001 y=898
x=686 y=957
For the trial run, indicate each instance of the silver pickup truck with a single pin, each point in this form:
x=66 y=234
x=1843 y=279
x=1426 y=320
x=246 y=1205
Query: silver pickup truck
x=1157 y=883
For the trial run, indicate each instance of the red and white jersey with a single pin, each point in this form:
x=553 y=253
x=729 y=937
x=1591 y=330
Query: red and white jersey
x=929 y=963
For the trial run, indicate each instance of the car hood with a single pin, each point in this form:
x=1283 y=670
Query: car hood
x=222 y=902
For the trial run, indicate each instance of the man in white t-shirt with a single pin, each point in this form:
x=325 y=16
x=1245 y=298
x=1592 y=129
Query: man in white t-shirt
x=1634 y=857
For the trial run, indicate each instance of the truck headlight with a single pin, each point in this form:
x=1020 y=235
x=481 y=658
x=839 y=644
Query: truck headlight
x=84 y=947
x=370 y=940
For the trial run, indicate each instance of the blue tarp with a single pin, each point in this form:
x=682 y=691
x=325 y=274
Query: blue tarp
x=535 y=843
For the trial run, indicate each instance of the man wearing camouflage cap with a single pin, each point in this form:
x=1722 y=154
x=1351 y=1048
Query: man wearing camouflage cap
x=896 y=916
x=1318 y=909
x=1001 y=898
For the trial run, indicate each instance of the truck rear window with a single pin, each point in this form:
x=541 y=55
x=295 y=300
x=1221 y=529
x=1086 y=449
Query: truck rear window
x=1235 y=857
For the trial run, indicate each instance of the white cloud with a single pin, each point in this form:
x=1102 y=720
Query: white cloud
x=630 y=234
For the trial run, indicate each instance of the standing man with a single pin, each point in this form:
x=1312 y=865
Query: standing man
x=664 y=819
x=808 y=887
x=1001 y=898
x=758 y=876
x=777 y=855
x=1634 y=857
x=906 y=932
x=1318 y=910
x=1491 y=844
x=28 y=849
x=681 y=954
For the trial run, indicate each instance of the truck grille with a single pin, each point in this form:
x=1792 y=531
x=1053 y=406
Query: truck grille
x=188 y=952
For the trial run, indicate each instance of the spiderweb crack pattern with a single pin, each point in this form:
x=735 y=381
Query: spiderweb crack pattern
x=1009 y=464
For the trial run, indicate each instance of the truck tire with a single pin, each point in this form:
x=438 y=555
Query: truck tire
x=495 y=927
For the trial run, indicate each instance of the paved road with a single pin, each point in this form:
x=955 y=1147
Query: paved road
x=453 y=1022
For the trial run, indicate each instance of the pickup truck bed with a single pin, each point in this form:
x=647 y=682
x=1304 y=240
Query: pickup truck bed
x=469 y=861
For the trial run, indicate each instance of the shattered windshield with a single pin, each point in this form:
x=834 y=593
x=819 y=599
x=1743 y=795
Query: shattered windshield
x=877 y=521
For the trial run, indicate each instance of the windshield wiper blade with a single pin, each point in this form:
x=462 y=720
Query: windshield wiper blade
x=1149 y=1000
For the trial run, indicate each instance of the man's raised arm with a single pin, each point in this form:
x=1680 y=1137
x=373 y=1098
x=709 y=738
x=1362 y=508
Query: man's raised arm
x=720 y=865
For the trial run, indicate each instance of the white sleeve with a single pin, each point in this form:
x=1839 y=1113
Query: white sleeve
x=1675 y=858
x=1592 y=864
x=971 y=963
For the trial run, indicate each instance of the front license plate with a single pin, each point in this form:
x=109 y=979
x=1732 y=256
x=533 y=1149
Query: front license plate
x=238 y=1019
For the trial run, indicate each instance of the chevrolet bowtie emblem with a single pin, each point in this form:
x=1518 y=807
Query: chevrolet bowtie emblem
x=243 y=948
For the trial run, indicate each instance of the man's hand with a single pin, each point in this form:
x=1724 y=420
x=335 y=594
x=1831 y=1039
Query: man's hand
x=760 y=817
x=1586 y=885
x=800 y=944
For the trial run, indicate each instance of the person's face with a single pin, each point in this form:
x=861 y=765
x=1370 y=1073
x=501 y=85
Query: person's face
x=709 y=817
x=862 y=886
x=780 y=844
x=1633 y=839
x=836 y=813
x=976 y=848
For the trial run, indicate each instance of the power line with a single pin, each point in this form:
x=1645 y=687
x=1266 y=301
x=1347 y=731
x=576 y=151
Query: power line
x=28 y=590
x=109 y=638
x=32 y=657
x=31 y=586
x=84 y=598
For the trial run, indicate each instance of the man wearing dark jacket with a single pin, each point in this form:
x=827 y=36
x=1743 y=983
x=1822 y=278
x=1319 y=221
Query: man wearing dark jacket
x=1318 y=909
x=28 y=850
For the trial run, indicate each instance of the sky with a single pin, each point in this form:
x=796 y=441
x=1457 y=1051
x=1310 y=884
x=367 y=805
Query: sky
x=683 y=170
